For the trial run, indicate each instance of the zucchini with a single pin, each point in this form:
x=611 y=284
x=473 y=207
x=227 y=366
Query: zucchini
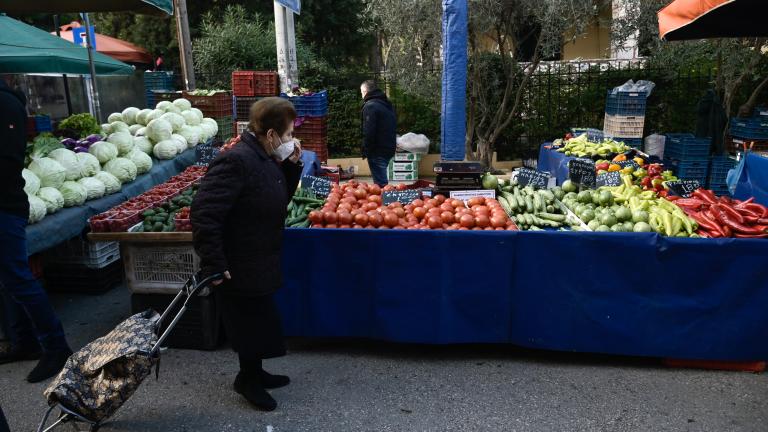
x=305 y=200
x=552 y=217
x=529 y=204
x=505 y=205
x=538 y=203
x=291 y=206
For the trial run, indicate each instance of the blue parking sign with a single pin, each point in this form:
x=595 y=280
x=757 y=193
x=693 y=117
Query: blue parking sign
x=78 y=36
x=294 y=5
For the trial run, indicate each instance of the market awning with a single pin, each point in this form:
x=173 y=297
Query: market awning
x=699 y=19
x=113 y=47
x=27 y=49
x=156 y=7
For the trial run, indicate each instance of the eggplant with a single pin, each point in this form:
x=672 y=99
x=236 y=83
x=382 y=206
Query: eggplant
x=81 y=149
x=69 y=143
x=93 y=138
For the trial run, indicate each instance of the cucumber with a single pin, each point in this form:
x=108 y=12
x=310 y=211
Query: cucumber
x=305 y=200
x=291 y=206
x=538 y=203
x=552 y=217
x=505 y=205
x=529 y=204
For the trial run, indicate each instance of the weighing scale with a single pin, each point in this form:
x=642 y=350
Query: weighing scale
x=458 y=175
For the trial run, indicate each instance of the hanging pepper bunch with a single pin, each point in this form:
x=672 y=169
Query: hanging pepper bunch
x=724 y=216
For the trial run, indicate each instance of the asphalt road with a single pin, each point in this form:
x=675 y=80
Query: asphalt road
x=367 y=386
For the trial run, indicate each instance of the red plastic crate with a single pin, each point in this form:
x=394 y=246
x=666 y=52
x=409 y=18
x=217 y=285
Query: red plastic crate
x=255 y=83
x=216 y=106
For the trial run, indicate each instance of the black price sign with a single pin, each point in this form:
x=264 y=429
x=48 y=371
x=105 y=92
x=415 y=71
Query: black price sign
x=626 y=163
x=536 y=179
x=402 y=196
x=609 y=179
x=683 y=188
x=582 y=171
x=319 y=185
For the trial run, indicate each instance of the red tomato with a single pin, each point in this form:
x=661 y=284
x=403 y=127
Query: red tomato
x=435 y=222
x=463 y=229
x=409 y=208
x=456 y=225
x=434 y=211
x=345 y=218
x=418 y=203
x=317 y=225
x=440 y=198
x=330 y=217
x=447 y=217
x=400 y=212
x=476 y=201
x=375 y=199
x=331 y=226
x=497 y=221
x=395 y=204
x=345 y=226
x=500 y=229
x=419 y=212
x=315 y=217
x=361 y=219
x=360 y=193
x=482 y=221
x=467 y=221
x=390 y=219
x=356 y=226
x=371 y=206
x=457 y=203
x=399 y=227
x=446 y=207
x=374 y=189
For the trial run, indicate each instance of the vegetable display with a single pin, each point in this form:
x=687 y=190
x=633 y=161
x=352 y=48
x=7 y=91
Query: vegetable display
x=302 y=203
x=582 y=147
x=535 y=209
x=724 y=216
x=164 y=217
x=50 y=172
x=82 y=124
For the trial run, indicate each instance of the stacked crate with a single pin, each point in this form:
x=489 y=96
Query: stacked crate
x=404 y=167
x=249 y=87
x=688 y=156
x=83 y=267
x=160 y=81
x=718 y=173
x=218 y=107
x=625 y=117
x=312 y=124
x=749 y=133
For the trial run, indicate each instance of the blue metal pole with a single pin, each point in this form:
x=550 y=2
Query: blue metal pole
x=454 y=85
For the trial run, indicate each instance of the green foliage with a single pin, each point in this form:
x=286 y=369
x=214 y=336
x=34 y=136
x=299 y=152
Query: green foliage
x=82 y=124
x=156 y=34
x=417 y=115
x=344 y=128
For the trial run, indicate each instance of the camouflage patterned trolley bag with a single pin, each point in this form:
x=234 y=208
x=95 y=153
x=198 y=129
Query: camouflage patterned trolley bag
x=97 y=380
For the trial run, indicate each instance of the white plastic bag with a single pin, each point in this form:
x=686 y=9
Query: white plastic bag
x=414 y=143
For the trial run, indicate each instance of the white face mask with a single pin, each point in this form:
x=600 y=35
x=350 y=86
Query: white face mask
x=284 y=150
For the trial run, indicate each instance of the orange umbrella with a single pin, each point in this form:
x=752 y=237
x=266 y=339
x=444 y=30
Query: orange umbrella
x=700 y=19
x=115 y=48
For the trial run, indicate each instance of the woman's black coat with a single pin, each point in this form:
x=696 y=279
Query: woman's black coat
x=238 y=216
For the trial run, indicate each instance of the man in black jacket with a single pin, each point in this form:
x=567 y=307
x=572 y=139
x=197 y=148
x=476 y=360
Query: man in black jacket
x=34 y=324
x=379 y=131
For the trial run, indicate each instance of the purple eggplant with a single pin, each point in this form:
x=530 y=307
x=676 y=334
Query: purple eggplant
x=69 y=143
x=93 y=138
x=81 y=149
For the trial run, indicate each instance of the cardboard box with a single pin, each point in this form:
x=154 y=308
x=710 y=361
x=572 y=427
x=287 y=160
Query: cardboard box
x=404 y=166
x=407 y=157
x=404 y=176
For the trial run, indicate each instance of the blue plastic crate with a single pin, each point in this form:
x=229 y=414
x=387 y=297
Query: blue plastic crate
x=688 y=170
x=625 y=103
x=159 y=80
x=752 y=128
x=43 y=123
x=718 y=170
x=315 y=105
x=685 y=147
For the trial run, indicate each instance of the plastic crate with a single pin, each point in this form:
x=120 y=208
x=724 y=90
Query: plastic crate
x=159 y=268
x=158 y=80
x=753 y=127
x=312 y=105
x=199 y=327
x=311 y=128
x=82 y=279
x=255 y=83
x=718 y=171
x=594 y=135
x=686 y=147
x=739 y=145
x=689 y=170
x=624 y=126
x=84 y=253
x=226 y=130
x=43 y=123
x=241 y=106
x=625 y=103
x=217 y=106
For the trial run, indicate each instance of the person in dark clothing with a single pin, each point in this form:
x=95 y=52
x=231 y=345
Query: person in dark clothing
x=237 y=225
x=35 y=330
x=379 y=131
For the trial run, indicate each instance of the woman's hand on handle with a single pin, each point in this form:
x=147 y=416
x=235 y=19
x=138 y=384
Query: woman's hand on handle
x=226 y=276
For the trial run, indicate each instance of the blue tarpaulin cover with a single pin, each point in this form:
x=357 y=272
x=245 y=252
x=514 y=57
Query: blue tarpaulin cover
x=677 y=298
x=70 y=222
x=753 y=180
x=454 y=90
x=555 y=163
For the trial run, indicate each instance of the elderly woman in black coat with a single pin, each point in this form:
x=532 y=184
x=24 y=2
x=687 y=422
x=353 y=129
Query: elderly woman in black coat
x=237 y=223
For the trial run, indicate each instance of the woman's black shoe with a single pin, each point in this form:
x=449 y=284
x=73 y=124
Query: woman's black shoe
x=49 y=365
x=270 y=381
x=252 y=390
x=19 y=353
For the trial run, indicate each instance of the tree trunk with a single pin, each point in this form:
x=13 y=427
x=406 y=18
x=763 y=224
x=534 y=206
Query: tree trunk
x=746 y=109
x=484 y=152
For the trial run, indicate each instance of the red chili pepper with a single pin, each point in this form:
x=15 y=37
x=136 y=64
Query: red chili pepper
x=715 y=223
x=732 y=213
x=746 y=212
x=740 y=235
x=751 y=219
x=689 y=202
x=700 y=194
x=762 y=221
x=722 y=215
x=760 y=210
x=672 y=197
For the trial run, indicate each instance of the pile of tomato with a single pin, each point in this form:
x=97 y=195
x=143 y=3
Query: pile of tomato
x=359 y=205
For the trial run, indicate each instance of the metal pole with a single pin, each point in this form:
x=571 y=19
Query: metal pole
x=185 y=44
x=89 y=42
x=57 y=24
x=283 y=63
x=290 y=36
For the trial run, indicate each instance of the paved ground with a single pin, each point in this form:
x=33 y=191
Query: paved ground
x=355 y=386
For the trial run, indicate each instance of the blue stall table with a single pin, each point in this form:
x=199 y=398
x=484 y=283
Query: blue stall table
x=553 y=162
x=628 y=294
x=70 y=222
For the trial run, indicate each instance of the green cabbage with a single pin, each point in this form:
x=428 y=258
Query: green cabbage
x=190 y=118
x=141 y=117
x=166 y=149
x=50 y=172
x=159 y=130
x=120 y=127
x=142 y=160
x=181 y=142
x=163 y=105
x=115 y=117
x=176 y=120
x=111 y=183
x=37 y=209
x=142 y=143
x=141 y=132
x=207 y=132
x=154 y=114
x=123 y=141
x=124 y=169
x=53 y=199
x=74 y=193
x=213 y=124
x=104 y=151
x=135 y=128
x=31 y=182
x=106 y=129
x=129 y=115
x=67 y=159
x=191 y=135
x=88 y=164
x=93 y=187
x=199 y=114
x=182 y=104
